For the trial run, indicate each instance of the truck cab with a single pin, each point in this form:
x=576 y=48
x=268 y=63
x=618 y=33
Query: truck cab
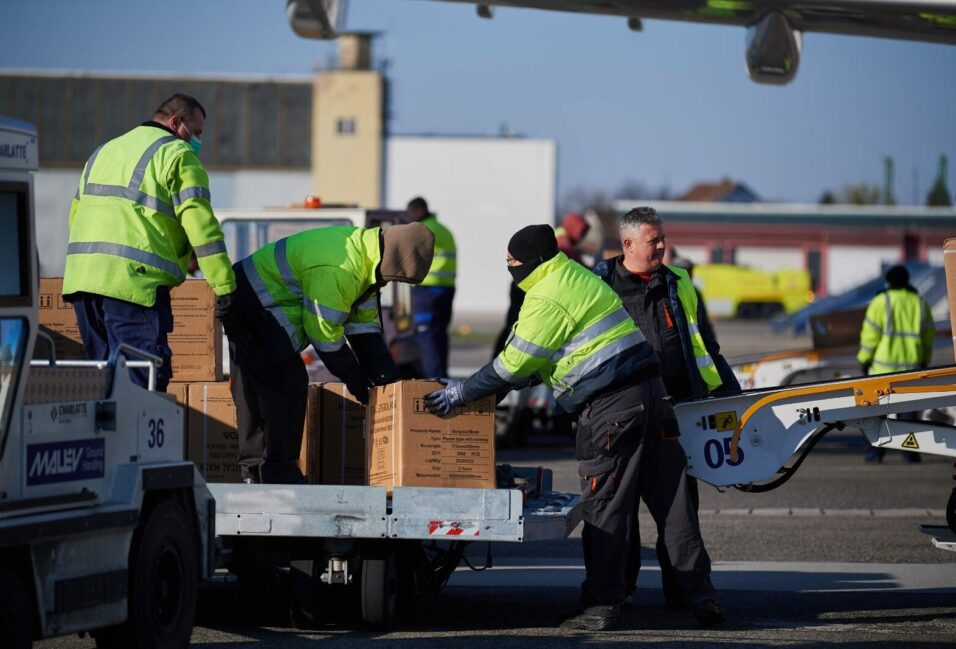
x=103 y=525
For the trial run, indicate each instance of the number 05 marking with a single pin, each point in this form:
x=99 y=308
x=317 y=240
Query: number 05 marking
x=717 y=451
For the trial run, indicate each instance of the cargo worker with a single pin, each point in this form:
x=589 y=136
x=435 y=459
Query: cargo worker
x=573 y=333
x=321 y=287
x=141 y=211
x=897 y=335
x=665 y=305
x=432 y=300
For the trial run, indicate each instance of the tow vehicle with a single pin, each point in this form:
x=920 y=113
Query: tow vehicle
x=103 y=526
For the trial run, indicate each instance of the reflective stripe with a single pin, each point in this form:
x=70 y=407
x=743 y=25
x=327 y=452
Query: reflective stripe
x=333 y=346
x=368 y=305
x=207 y=249
x=89 y=167
x=903 y=335
x=904 y=366
x=353 y=328
x=595 y=360
x=693 y=328
x=266 y=300
x=603 y=325
x=140 y=171
x=446 y=254
x=282 y=261
x=191 y=192
x=704 y=361
x=141 y=198
x=528 y=347
x=867 y=348
x=872 y=324
x=127 y=252
x=889 y=314
x=327 y=313
x=503 y=372
x=442 y=274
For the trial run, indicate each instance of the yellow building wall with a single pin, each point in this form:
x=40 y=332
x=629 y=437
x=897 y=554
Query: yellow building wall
x=347 y=136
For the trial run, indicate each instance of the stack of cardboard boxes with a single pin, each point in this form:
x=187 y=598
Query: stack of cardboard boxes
x=392 y=442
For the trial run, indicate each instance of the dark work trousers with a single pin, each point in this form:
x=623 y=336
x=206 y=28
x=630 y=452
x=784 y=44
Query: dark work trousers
x=269 y=385
x=622 y=457
x=431 y=315
x=105 y=323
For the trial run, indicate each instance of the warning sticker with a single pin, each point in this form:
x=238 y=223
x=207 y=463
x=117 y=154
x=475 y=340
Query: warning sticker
x=910 y=441
x=726 y=420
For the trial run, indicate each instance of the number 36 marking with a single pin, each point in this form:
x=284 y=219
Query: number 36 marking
x=716 y=451
x=156 y=434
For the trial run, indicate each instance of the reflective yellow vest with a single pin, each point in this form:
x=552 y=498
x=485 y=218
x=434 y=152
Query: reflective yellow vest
x=570 y=325
x=142 y=208
x=897 y=332
x=689 y=303
x=310 y=282
x=444 y=265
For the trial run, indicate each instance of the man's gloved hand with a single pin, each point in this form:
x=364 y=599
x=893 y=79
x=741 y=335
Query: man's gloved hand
x=443 y=402
x=358 y=386
x=227 y=312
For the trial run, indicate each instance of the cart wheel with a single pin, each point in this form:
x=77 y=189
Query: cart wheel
x=379 y=591
x=163 y=571
x=951 y=511
x=16 y=611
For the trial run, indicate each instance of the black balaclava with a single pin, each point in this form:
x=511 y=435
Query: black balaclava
x=532 y=246
x=898 y=277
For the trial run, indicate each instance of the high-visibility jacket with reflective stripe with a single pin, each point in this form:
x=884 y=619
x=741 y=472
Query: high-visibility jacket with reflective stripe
x=312 y=281
x=688 y=301
x=897 y=332
x=444 y=264
x=573 y=332
x=141 y=209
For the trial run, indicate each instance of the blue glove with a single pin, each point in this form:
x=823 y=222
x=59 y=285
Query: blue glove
x=443 y=402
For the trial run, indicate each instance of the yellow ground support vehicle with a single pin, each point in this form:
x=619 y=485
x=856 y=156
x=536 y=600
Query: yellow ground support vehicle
x=738 y=292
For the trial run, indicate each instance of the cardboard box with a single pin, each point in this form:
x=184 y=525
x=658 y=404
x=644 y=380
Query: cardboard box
x=212 y=439
x=949 y=263
x=196 y=340
x=408 y=446
x=333 y=442
x=179 y=392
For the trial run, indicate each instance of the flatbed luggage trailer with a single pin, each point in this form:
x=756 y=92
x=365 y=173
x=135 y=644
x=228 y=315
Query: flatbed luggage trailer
x=342 y=542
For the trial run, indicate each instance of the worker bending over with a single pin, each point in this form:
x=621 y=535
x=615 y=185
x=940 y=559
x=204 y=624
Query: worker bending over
x=140 y=213
x=321 y=287
x=573 y=333
x=664 y=304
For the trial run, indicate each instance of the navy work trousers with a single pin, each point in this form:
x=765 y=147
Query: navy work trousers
x=431 y=315
x=105 y=323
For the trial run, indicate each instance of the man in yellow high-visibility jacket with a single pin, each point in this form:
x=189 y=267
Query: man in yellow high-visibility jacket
x=318 y=287
x=432 y=299
x=141 y=211
x=574 y=335
x=897 y=335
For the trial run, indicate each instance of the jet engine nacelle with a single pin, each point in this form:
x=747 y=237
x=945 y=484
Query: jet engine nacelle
x=773 y=50
x=316 y=18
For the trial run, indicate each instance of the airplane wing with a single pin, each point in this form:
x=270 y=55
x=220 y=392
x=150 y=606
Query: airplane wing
x=921 y=20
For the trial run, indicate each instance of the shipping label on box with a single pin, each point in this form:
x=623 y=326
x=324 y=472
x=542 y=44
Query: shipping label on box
x=949 y=264
x=213 y=439
x=408 y=446
x=196 y=339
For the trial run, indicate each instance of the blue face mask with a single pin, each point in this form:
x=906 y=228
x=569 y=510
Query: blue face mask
x=194 y=141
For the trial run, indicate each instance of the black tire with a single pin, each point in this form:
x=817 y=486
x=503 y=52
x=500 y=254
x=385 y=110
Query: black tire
x=162 y=584
x=16 y=611
x=379 y=591
x=951 y=511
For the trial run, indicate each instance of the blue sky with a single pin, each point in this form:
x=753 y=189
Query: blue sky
x=670 y=105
